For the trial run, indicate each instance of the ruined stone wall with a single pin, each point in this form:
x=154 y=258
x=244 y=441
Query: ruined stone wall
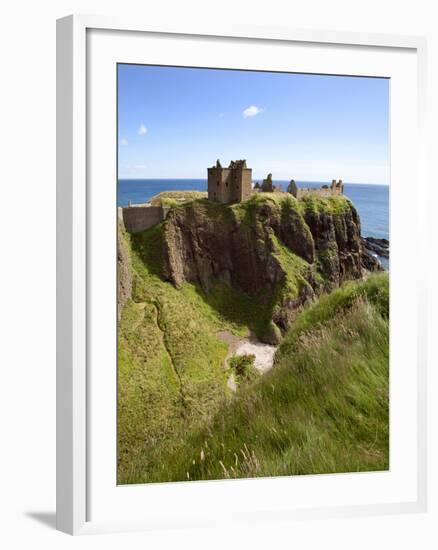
x=139 y=218
x=303 y=192
x=321 y=192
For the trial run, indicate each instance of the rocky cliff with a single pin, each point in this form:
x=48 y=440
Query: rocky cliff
x=272 y=247
x=124 y=286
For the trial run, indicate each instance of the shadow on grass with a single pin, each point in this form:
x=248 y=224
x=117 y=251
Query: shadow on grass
x=238 y=307
x=149 y=246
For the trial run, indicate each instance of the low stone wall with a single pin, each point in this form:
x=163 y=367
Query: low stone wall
x=304 y=192
x=139 y=218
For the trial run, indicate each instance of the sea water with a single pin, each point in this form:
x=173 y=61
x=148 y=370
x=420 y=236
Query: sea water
x=371 y=201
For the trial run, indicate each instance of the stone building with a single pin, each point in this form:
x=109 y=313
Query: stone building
x=232 y=184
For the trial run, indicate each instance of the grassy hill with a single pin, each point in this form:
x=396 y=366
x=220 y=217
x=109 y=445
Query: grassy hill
x=322 y=408
x=171 y=362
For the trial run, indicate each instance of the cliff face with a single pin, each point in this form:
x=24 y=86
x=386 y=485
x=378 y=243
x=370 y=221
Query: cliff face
x=205 y=243
x=272 y=247
x=336 y=237
x=124 y=286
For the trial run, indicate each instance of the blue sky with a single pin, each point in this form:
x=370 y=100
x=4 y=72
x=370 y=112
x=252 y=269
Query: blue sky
x=174 y=122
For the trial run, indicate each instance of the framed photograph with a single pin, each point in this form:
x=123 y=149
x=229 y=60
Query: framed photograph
x=241 y=296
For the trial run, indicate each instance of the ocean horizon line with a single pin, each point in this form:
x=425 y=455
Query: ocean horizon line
x=254 y=179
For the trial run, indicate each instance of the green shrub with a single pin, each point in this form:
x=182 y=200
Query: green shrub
x=243 y=367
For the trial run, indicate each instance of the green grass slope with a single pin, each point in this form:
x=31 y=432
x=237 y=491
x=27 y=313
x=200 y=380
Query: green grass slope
x=175 y=198
x=323 y=408
x=171 y=362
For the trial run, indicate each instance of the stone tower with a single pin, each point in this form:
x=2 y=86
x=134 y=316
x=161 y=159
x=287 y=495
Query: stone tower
x=292 y=188
x=267 y=185
x=232 y=184
x=337 y=188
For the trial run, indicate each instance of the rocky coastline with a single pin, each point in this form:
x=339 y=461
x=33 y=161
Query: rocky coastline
x=376 y=249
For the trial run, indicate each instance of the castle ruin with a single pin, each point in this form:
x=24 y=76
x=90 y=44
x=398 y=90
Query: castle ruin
x=335 y=189
x=268 y=186
x=232 y=184
x=225 y=185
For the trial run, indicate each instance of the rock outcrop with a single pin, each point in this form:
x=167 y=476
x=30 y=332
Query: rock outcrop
x=264 y=246
x=206 y=245
x=124 y=287
x=337 y=243
x=376 y=246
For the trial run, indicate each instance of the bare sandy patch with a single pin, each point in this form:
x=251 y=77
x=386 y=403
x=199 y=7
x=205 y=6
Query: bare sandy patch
x=264 y=353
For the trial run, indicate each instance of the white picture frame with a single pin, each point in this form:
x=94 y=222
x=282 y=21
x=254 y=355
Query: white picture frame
x=75 y=216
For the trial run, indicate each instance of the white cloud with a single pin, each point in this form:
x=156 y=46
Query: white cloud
x=251 y=111
x=140 y=166
x=142 y=130
x=123 y=141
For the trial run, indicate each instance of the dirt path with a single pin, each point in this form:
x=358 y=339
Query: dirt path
x=158 y=315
